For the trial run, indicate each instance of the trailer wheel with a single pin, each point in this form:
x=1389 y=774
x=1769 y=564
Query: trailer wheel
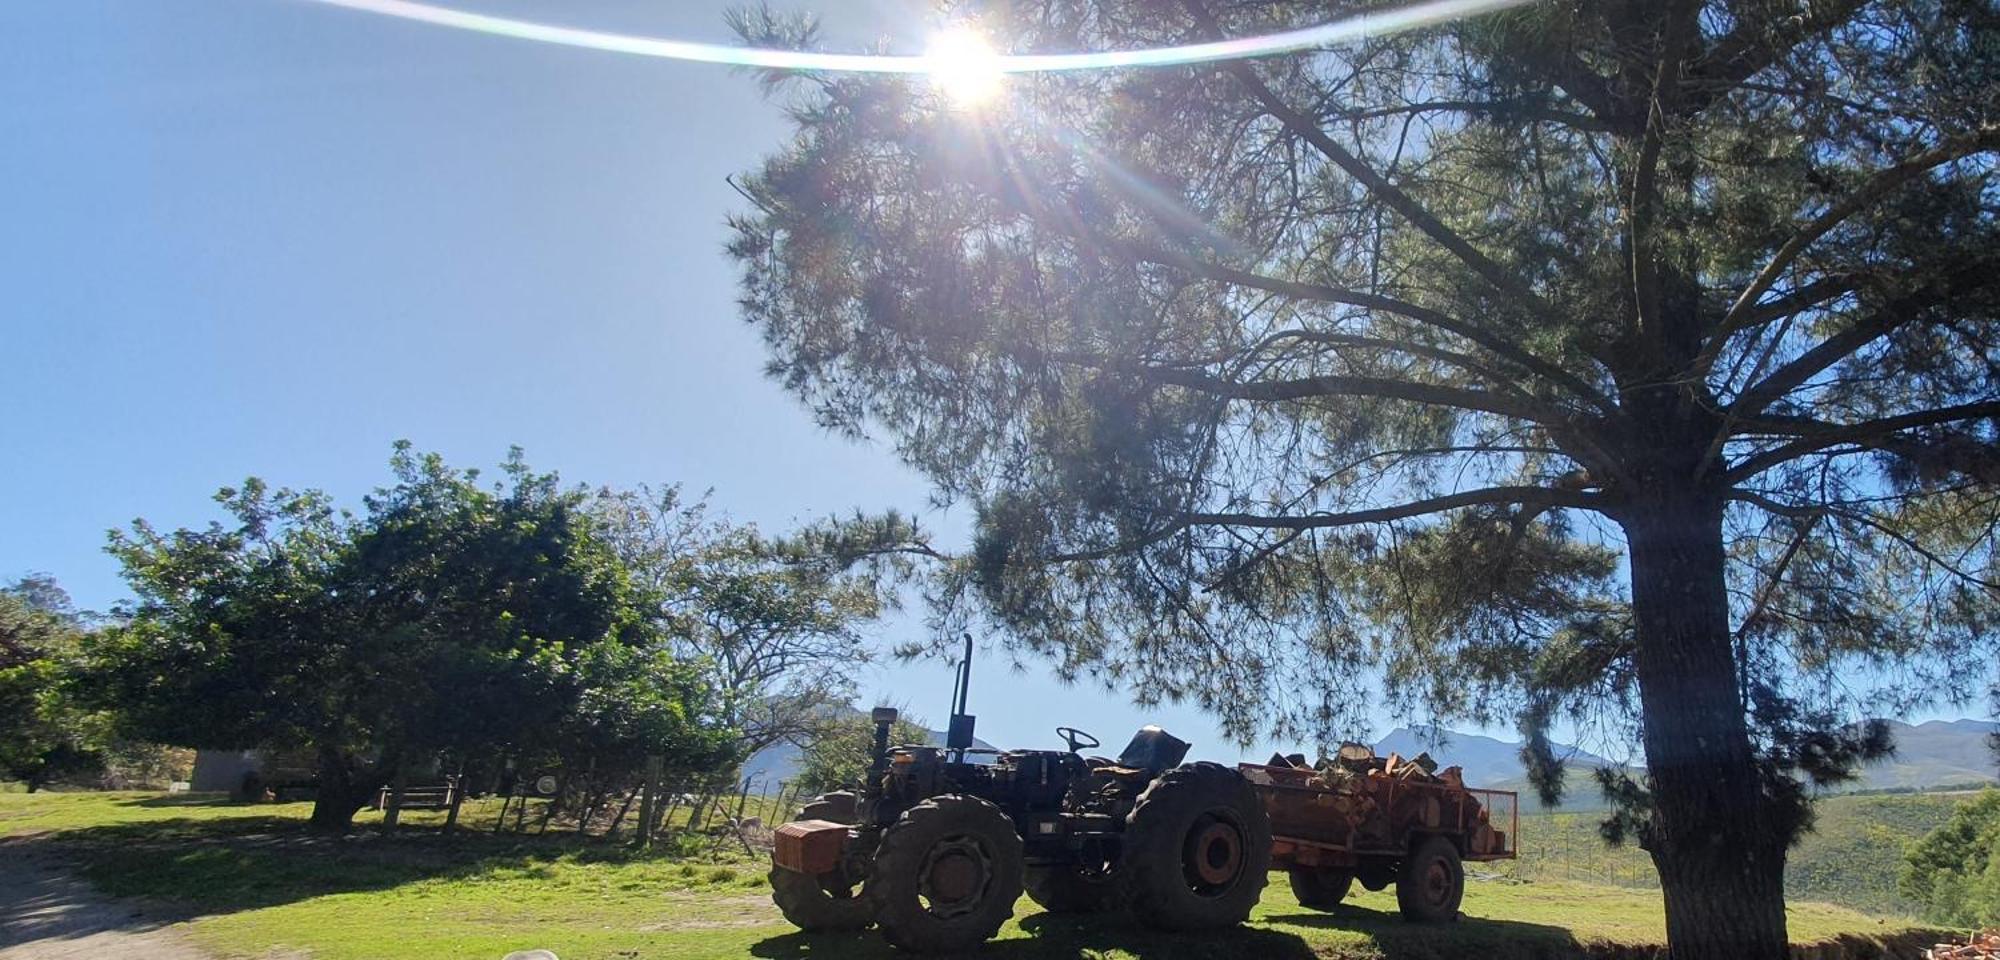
x=1432 y=882
x=1320 y=888
x=1197 y=845
x=946 y=876
x=1072 y=888
x=821 y=904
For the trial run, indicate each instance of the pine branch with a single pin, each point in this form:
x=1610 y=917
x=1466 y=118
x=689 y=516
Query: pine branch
x=1511 y=496
x=1499 y=344
x=1814 y=436
x=1302 y=126
x=1742 y=314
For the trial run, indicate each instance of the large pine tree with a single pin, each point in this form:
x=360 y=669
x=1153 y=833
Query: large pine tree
x=1588 y=360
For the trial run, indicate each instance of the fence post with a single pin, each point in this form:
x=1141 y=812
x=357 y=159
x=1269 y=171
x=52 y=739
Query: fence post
x=394 y=813
x=455 y=795
x=649 y=803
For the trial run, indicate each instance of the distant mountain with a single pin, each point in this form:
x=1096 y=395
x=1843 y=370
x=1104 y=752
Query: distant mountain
x=1486 y=760
x=1931 y=754
x=1935 y=753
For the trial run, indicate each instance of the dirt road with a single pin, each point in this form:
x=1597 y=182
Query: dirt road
x=47 y=914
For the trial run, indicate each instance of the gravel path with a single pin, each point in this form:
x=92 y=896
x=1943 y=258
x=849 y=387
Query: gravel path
x=46 y=914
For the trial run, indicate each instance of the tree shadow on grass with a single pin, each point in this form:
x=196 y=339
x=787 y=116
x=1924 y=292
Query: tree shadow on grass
x=171 y=800
x=193 y=866
x=1399 y=939
x=1073 y=937
x=1059 y=937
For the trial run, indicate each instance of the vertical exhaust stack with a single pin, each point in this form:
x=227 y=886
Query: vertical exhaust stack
x=878 y=754
x=958 y=736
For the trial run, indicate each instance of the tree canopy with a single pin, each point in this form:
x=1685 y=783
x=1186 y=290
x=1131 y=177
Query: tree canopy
x=777 y=621
x=44 y=734
x=447 y=618
x=1625 y=363
x=1954 y=871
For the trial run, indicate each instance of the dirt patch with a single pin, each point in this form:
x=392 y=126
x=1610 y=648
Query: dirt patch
x=47 y=914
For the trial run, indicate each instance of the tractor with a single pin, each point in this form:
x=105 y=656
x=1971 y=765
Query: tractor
x=939 y=843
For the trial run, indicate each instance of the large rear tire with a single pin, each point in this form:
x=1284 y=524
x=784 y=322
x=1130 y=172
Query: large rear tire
x=1432 y=882
x=1320 y=888
x=1072 y=889
x=821 y=904
x=1197 y=845
x=946 y=875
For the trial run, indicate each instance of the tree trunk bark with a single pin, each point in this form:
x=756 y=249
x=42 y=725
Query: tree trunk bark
x=340 y=793
x=1721 y=866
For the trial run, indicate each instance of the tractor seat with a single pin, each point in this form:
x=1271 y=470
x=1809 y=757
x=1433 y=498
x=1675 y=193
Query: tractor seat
x=1154 y=750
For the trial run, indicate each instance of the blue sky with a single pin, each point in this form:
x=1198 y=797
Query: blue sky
x=269 y=237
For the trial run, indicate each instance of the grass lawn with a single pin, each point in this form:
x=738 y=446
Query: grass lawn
x=257 y=886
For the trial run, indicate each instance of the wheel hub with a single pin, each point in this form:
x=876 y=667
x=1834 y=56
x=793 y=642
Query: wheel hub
x=955 y=876
x=1437 y=882
x=1215 y=851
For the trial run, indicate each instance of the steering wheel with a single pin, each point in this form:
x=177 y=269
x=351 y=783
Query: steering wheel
x=1077 y=739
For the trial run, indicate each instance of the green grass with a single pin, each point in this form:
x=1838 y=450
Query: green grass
x=257 y=886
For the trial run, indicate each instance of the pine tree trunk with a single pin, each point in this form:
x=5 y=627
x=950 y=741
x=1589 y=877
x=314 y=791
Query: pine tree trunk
x=1721 y=866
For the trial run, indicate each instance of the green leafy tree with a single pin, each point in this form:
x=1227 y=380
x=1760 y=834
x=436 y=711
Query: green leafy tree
x=447 y=617
x=44 y=735
x=777 y=620
x=835 y=755
x=1954 y=871
x=1624 y=362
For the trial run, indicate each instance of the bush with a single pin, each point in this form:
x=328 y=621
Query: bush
x=1955 y=870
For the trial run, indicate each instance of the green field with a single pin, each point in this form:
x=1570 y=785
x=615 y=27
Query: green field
x=1852 y=856
x=256 y=885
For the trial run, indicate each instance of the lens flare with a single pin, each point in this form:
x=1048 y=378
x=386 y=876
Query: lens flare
x=965 y=67
x=1373 y=23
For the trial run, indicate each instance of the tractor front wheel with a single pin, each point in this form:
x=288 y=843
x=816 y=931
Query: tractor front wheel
x=820 y=904
x=817 y=907
x=946 y=875
x=1197 y=845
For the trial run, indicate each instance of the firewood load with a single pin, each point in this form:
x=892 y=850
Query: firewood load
x=1984 y=945
x=1354 y=777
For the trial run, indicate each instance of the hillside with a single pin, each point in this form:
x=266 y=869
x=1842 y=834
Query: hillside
x=1929 y=755
x=1486 y=760
x=1851 y=857
x=1935 y=753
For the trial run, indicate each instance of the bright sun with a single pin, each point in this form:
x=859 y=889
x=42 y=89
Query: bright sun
x=964 y=66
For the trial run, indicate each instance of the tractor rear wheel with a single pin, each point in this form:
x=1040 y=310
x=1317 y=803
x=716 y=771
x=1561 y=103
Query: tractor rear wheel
x=1432 y=882
x=1072 y=888
x=1197 y=845
x=1320 y=888
x=946 y=875
x=821 y=903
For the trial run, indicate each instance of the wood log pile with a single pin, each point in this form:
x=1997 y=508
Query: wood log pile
x=1984 y=945
x=1366 y=798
